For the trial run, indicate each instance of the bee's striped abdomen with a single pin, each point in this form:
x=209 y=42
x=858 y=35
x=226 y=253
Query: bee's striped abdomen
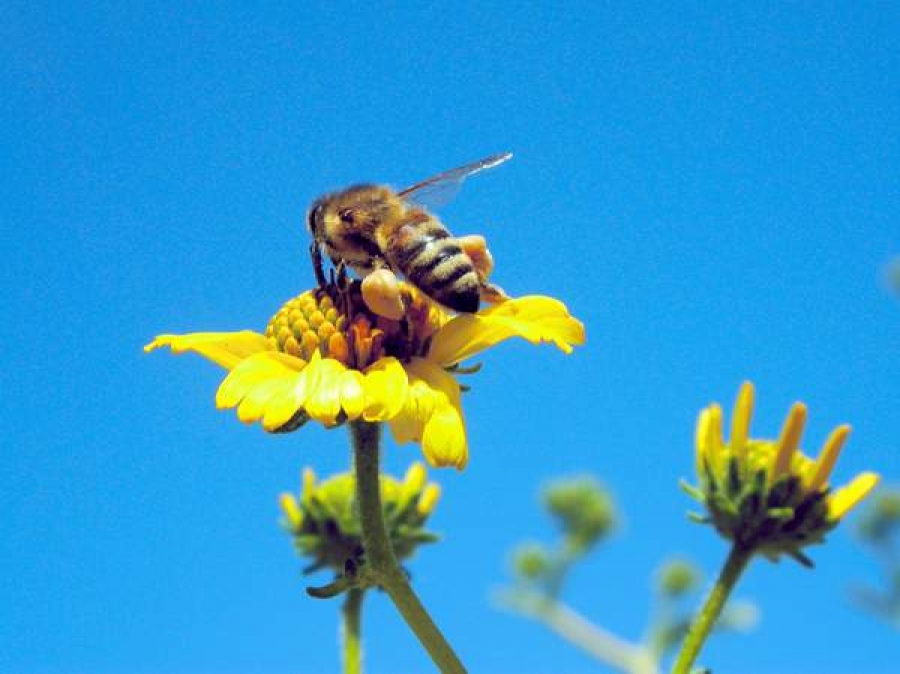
x=433 y=261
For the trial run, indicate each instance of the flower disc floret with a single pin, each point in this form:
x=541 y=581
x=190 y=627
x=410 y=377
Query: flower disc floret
x=308 y=323
x=766 y=495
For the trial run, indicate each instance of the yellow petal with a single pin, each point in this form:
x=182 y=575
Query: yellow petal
x=254 y=404
x=324 y=401
x=702 y=441
x=252 y=371
x=386 y=385
x=846 y=498
x=284 y=403
x=422 y=399
x=436 y=378
x=226 y=349
x=740 y=422
x=825 y=463
x=534 y=318
x=309 y=481
x=429 y=498
x=415 y=478
x=291 y=510
x=406 y=428
x=412 y=485
x=444 y=440
x=353 y=393
x=789 y=440
x=715 y=439
x=291 y=396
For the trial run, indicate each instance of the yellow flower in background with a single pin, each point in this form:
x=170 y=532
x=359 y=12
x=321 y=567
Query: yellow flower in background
x=766 y=495
x=325 y=356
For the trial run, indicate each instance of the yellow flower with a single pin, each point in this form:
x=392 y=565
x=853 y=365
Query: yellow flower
x=766 y=495
x=325 y=356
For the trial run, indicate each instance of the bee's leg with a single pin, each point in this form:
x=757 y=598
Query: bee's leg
x=492 y=294
x=407 y=333
x=315 y=253
x=343 y=280
x=342 y=283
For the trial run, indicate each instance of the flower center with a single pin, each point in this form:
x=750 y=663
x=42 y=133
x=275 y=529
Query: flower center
x=339 y=325
x=761 y=453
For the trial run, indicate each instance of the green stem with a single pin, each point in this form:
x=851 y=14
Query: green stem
x=705 y=620
x=598 y=642
x=351 y=612
x=380 y=558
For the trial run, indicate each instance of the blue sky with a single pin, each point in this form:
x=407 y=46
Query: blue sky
x=713 y=190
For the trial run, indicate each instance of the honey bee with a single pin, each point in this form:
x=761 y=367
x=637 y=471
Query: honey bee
x=371 y=228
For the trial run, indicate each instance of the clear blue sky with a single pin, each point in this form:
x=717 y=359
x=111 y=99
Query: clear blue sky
x=713 y=190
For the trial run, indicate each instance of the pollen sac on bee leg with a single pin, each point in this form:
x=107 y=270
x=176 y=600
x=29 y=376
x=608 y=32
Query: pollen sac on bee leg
x=381 y=293
x=475 y=246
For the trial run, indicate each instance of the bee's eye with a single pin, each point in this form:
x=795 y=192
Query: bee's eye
x=346 y=215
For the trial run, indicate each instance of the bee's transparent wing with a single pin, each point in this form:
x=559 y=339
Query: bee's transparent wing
x=439 y=190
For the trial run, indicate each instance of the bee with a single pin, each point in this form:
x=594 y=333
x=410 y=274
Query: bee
x=370 y=228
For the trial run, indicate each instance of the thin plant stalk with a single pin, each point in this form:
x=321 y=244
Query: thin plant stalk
x=380 y=559
x=350 y=631
x=705 y=620
x=594 y=640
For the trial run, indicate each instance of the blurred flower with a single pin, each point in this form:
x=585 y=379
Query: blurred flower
x=326 y=356
x=324 y=522
x=584 y=509
x=766 y=495
x=881 y=519
x=677 y=577
x=532 y=561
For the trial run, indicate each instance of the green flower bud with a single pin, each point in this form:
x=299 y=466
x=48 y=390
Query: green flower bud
x=677 y=577
x=584 y=509
x=325 y=526
x=531 y=561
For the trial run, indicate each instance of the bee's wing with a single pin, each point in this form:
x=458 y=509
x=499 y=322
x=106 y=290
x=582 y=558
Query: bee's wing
x=440 y=189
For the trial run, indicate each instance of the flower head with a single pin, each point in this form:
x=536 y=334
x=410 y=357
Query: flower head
x=766 y=495
x=326 y=356
x=325 y=526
